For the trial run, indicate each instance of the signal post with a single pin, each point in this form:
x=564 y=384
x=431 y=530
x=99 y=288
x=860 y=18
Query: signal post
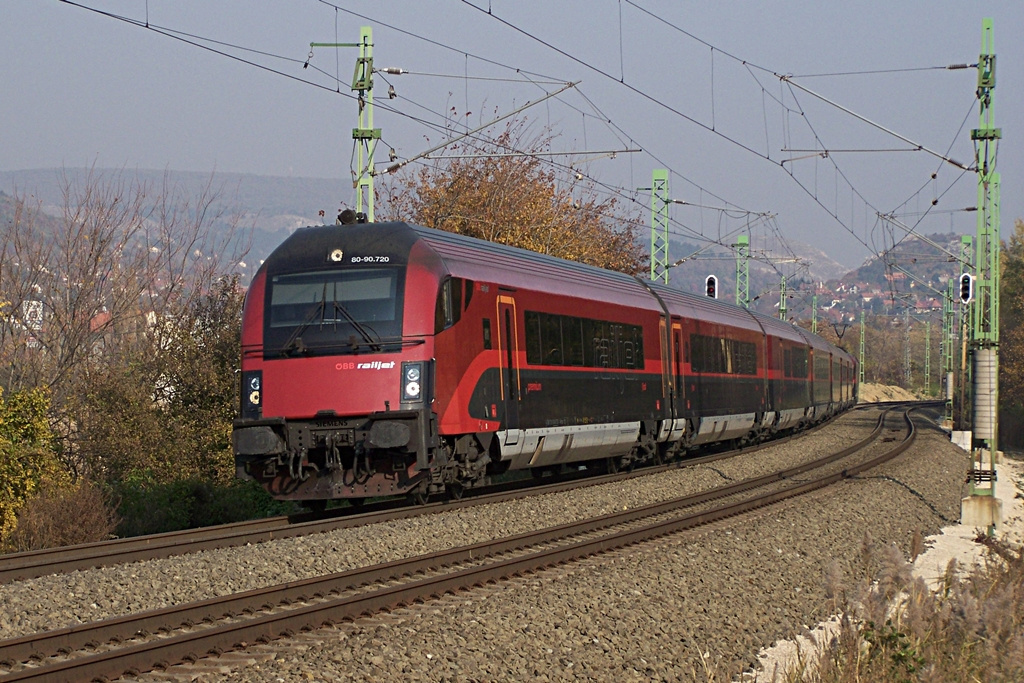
x=982 y=508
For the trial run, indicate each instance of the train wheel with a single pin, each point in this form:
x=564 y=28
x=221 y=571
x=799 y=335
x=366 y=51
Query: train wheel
x=455 y=490
x=612 y=465
x=418 y=497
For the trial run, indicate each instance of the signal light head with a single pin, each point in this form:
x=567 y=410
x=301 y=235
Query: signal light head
x=966 y=288
x=711 y=286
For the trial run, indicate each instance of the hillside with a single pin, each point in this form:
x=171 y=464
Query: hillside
x=268 y=208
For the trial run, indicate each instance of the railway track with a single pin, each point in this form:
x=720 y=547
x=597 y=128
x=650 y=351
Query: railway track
x=267 y=614
x=27 y=565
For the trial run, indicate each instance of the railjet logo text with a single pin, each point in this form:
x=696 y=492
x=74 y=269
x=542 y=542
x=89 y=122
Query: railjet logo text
x=373 y=365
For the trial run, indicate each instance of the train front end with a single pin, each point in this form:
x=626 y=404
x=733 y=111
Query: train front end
x=337 y=365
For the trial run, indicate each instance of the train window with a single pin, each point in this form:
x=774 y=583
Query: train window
x=821 y=369
x=551 y=339
x=322 y=312
x=569 y=341
x=367 y=295
x=534 y=352
x=744 y=358
x=572 y=340
x=796 y=363
x=722 y=356
x=449 y=304
x=456 y=294
x=707 y=355
x=469 y=292
x=599 y=344
x=487 y=333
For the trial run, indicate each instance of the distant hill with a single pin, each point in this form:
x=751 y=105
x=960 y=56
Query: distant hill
x=275 y=206
x=277 y=200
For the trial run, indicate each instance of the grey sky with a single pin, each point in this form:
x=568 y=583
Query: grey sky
x=81 y=89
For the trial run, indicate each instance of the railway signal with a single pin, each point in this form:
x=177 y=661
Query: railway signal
x=711 y=286
x=966 y=288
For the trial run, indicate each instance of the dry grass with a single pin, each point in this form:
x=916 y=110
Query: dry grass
x=896 y=629
x=60 y=516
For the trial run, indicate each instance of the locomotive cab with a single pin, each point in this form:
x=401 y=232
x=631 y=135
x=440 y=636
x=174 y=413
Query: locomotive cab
x=337 y=365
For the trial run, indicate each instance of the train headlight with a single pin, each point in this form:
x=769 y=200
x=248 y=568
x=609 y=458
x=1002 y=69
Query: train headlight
x=252 y=394
x=412 y=384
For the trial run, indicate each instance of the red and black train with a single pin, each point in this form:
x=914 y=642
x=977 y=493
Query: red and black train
x=388 y=359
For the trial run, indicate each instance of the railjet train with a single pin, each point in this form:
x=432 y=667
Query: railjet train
x=389 y=359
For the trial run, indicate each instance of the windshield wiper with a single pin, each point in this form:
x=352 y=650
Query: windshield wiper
x=338 y=308
x=294 y=340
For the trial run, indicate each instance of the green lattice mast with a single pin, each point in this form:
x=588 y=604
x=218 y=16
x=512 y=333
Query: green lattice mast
x=659 y=225
x=743 y=271
x=365 y=136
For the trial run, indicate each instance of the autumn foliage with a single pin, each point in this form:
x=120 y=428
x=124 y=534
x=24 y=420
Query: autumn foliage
x=503 y=191
x=28 y=462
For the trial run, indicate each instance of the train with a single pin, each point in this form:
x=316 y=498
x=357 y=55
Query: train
x=390 y=359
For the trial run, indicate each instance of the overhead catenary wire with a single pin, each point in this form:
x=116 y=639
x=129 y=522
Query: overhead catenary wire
x=748 y=65
x=766 y=156
x=199 y=41
x=612 y=189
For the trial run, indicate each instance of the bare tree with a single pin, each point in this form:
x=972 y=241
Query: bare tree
x=109 y=274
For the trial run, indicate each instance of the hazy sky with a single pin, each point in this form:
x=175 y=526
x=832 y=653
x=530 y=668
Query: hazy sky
x=693 y=84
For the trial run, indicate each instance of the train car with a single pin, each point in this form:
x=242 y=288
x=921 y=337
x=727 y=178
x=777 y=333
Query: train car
x=390 y=359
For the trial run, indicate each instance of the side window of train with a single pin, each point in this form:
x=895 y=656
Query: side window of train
x=487 y=333
x=449 y=304
x=565 y=340
x=796 y=363
x=534 y=350
x=722 y=356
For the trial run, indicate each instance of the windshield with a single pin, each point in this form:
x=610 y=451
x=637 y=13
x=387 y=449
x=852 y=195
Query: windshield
x=344 y=310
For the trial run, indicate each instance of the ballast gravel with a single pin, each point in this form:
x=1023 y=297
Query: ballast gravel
x=692 y=606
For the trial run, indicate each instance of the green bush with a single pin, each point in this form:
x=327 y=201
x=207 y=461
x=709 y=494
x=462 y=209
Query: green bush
x=28 y=454
x=150 y=507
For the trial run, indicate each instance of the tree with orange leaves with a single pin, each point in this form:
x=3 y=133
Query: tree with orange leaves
x=503 y=191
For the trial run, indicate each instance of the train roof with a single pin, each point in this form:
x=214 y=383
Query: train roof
x=476 y=259
x=704 y=308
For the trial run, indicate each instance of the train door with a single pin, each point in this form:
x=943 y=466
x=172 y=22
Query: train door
x=677 y=368
x=508 y=366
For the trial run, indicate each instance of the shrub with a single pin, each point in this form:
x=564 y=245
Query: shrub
x=59 y=516
x=28 y=459
x=148 y=506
